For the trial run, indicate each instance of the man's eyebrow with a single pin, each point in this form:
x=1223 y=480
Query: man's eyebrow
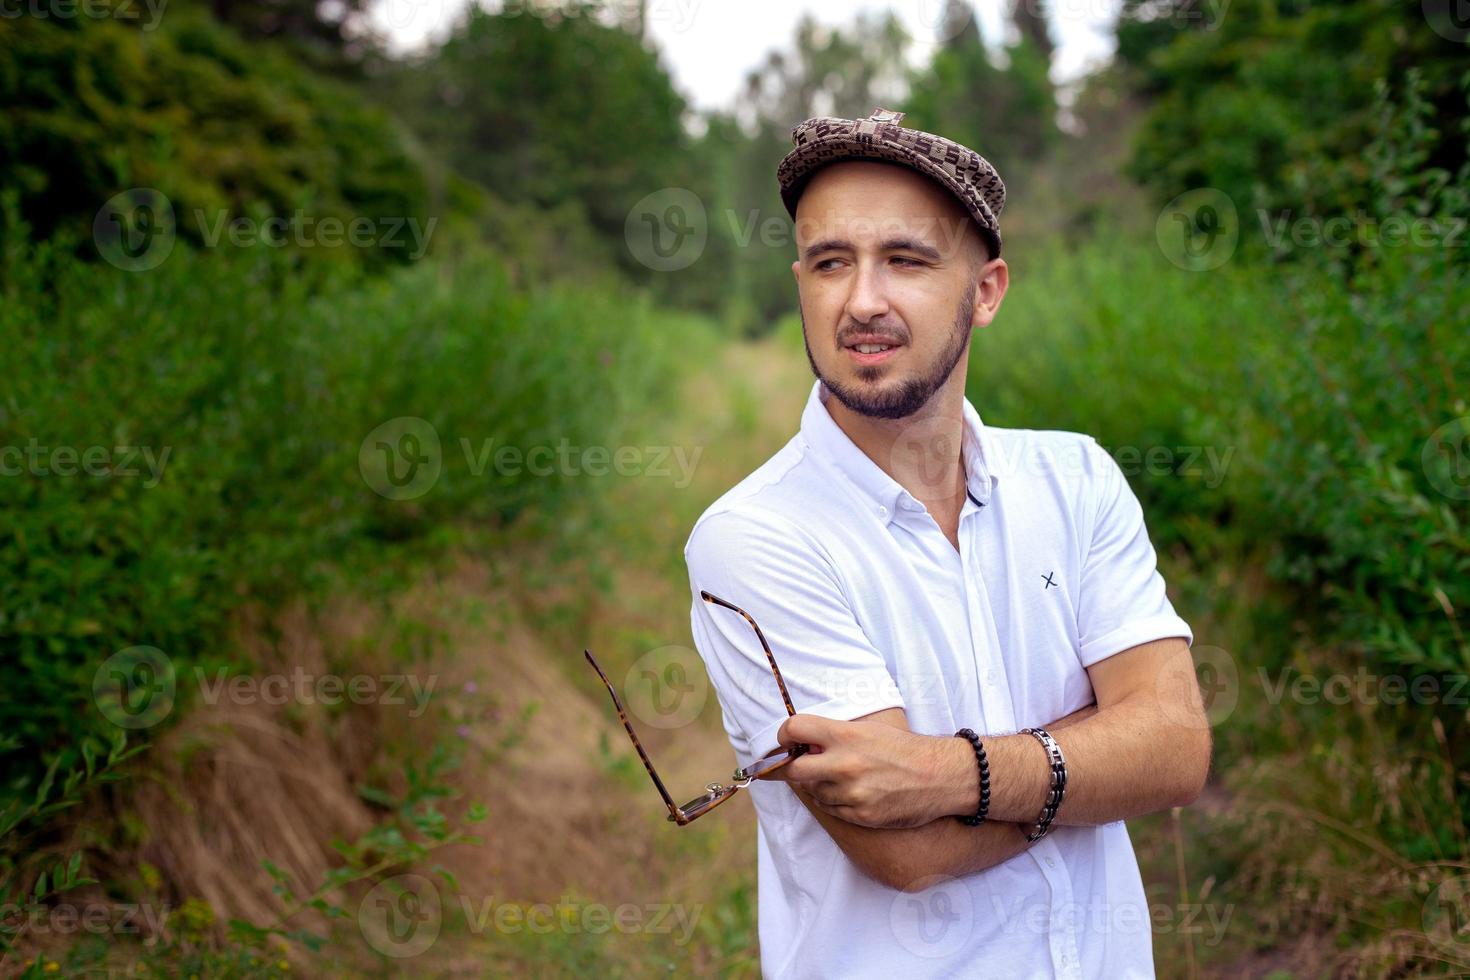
x=826 y=245
x=912 y=245
x=889 y=245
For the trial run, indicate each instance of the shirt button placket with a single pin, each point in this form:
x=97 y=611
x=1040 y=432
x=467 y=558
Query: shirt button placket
x=995 y=700
x=1062 y=937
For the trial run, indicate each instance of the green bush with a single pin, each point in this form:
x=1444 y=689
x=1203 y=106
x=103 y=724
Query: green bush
x=217 y=125
x=255 y=385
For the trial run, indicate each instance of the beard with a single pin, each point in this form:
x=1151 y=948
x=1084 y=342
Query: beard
x=912 y=393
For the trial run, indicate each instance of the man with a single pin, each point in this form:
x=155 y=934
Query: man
x=917 y=573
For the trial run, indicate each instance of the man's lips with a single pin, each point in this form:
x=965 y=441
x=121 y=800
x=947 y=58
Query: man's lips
x=871 y=349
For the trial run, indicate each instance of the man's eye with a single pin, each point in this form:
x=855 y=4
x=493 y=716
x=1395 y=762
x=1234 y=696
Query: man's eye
x=824 y=265
x=905 y=260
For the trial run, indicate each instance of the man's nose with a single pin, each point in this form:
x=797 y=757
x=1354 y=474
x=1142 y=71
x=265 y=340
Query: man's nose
x=867 y=299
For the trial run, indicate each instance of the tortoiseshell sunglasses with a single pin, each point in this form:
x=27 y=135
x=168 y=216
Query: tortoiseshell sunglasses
x=714 y=793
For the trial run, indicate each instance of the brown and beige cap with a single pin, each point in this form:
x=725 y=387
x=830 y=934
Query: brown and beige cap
x=960 y=170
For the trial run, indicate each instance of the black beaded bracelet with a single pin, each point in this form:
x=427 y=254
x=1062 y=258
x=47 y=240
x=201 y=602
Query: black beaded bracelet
x=984 y=765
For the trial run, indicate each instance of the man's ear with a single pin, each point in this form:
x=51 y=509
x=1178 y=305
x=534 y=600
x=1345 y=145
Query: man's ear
x=796 y=271
x=989 y=291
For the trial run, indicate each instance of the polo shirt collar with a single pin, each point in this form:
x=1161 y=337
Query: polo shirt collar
x=822 y=433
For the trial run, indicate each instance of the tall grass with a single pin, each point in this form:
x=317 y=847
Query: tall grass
x=261 y=380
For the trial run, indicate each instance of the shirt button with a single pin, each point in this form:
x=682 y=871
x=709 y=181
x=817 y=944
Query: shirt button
x=882 y=511
x=990 y=676
x=1051 y=863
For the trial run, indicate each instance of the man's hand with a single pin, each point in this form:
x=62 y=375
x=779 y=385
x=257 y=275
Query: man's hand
x=876 y=775
x=870 y=773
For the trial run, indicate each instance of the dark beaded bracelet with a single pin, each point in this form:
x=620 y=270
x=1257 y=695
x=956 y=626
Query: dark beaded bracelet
x=984 y=765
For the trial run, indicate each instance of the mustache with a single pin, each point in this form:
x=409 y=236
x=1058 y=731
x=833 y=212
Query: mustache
x=884 y=332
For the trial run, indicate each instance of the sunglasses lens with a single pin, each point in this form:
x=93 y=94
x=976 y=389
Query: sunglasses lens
x=700 y=804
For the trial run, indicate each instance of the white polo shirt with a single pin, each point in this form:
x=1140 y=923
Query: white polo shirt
x=866 y=606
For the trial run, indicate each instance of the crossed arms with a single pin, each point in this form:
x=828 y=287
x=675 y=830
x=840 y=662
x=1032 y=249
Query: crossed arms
x=885 y=795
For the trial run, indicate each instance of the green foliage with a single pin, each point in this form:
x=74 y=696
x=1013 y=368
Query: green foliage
x=219 y=126
x=1272 y=102
x=1012 y=126
x=255 y=385
x=24 y=814
x=551 y=109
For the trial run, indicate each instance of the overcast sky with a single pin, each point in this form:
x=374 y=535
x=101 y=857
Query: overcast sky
x=709 y=45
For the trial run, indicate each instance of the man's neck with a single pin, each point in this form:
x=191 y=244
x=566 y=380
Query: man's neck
x=923 y=451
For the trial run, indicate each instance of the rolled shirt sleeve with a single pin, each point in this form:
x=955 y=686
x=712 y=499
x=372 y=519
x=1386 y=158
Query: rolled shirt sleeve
x=1122 y=600
x=764 y=564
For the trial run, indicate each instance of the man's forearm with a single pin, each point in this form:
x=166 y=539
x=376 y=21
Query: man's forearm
x=909 y=858
x=1119 y=765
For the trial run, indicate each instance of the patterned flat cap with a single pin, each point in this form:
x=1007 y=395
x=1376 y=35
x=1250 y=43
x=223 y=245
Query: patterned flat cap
x=960 y=170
